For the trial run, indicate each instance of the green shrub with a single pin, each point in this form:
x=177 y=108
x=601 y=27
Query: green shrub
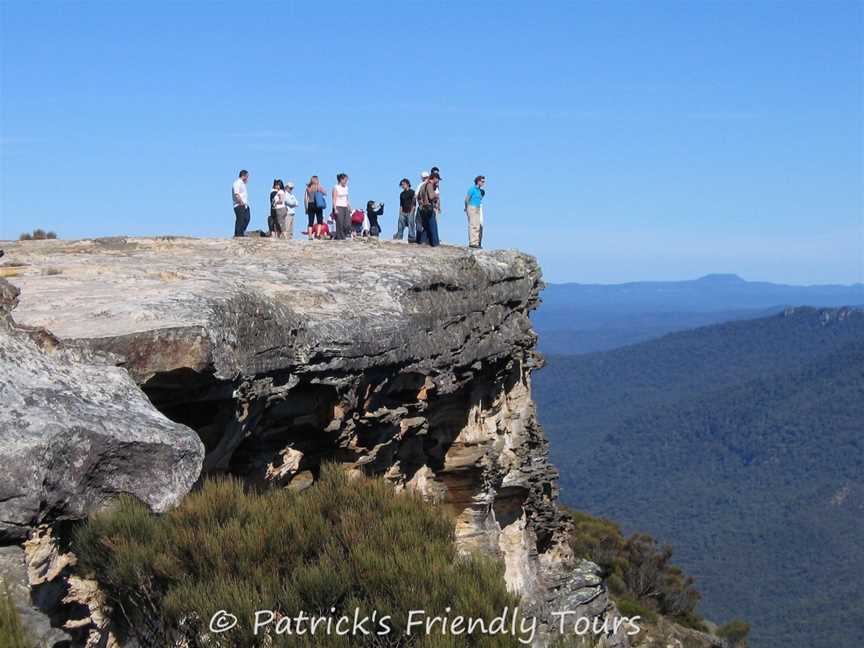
x=630 y=608
x=637 y=569
x=735 y=631
x=12 y=633
x=341 y=544
x=38 y=234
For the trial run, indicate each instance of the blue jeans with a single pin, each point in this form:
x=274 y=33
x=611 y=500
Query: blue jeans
x=241 y=220
x=406 y=220
x=430 y=228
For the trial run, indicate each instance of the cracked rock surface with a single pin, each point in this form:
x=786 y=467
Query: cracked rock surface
x=74 y=435
x=403 y=361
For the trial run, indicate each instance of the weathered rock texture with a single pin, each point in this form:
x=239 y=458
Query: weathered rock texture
x=396 y=360
x=74 y=434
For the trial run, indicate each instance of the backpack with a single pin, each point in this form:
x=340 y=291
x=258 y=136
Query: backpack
x=357 y=216
x=320 y=200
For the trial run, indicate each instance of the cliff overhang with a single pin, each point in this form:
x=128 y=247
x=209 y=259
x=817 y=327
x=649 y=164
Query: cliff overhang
x=268 y=358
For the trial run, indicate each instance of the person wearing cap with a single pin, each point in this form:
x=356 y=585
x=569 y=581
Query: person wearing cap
x=474 y=211
x=290 y=209
x=418 y=221
x=429 y=207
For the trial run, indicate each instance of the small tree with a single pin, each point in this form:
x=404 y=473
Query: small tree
x=38 y=234
x=735 y=632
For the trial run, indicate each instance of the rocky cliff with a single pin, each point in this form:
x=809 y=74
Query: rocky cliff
x=132 y=365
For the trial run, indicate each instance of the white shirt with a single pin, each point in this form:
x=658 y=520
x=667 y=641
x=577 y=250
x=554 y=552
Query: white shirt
x=238 y=193
x=341 y=193
x=290 y=202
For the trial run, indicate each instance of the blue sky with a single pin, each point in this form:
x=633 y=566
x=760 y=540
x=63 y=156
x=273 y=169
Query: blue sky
x=621 y=140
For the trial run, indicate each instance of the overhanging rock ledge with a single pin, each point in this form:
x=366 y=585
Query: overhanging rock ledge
x=396 y=360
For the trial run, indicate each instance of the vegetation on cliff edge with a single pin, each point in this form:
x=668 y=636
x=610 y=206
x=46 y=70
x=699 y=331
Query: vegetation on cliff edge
x=340 y=545
x=12 y=633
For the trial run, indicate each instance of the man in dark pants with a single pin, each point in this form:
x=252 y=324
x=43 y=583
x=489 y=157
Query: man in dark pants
x=241 y=204
x=429 y=207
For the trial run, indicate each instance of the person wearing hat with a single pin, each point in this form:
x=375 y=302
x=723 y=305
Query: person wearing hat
x=429 y=206
x=290 y=209
x=418 y=221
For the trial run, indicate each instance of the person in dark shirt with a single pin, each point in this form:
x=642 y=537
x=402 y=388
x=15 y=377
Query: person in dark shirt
x=429 y=206
x=407 y=204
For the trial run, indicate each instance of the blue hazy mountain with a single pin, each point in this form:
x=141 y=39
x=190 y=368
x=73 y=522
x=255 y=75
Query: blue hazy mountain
x=581 y=318
x=740 y=444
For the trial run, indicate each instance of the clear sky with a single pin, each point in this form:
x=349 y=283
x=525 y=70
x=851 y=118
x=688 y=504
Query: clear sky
x=621 y=140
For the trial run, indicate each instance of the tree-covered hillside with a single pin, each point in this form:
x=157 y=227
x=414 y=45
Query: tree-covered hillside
x=740 y=444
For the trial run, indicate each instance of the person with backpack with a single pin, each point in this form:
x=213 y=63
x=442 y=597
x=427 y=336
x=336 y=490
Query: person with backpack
x=474 y=211
x=429 y=206
x=315 y=202
x=418 y=221
x=407 y=204
x=342 y=207
x=240 y=198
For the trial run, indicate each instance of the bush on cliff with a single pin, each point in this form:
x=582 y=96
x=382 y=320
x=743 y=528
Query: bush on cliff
x=340 y=545
x=12 y=633
x=735 y=632
x=637 y=569
x=37 y=235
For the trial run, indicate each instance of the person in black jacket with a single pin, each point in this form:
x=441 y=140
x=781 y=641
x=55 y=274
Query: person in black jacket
x=407 y=206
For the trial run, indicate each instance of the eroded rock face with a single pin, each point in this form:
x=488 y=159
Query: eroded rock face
x=74 y=434
x=395 y=360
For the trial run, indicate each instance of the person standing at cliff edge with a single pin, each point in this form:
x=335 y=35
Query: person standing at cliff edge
x=279 y=210
x=240 y=197
x=474 y=211
x=429 y=208
x=418 y=221
x=407 y=204
x=315 y=202
x=290 y=209
x=342 y=207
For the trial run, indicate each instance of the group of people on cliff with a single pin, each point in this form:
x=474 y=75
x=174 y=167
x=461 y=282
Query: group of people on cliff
x=419 y=210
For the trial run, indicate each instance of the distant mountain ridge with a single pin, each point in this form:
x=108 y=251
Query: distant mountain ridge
x=581 y=318
x=742 y=444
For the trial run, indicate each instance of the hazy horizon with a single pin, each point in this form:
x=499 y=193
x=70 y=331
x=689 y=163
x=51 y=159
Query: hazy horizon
x=619 y=140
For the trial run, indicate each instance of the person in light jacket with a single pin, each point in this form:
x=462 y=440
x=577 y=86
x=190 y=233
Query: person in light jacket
x=290 y=210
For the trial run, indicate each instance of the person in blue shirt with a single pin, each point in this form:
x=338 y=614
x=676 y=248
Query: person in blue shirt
x=474 y=211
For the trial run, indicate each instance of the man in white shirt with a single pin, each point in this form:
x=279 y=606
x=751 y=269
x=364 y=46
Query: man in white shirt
x=240 y=197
